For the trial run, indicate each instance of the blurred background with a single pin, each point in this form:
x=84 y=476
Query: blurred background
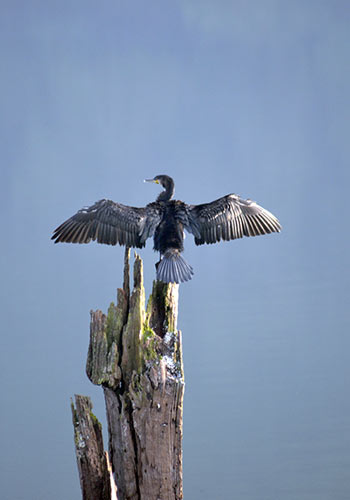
x=226 y=96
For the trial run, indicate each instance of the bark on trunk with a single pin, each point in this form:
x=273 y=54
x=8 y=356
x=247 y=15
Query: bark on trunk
x=136 y=355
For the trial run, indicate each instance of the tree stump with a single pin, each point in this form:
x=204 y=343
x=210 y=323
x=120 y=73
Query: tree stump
x=136 y=355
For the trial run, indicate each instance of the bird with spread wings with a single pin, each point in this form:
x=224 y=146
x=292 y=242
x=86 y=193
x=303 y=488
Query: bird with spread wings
x=111 y=223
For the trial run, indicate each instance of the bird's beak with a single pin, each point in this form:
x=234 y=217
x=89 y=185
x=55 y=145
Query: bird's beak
x=151 y=180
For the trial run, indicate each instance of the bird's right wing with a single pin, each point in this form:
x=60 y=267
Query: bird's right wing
x=110 y=223
x=228 y=218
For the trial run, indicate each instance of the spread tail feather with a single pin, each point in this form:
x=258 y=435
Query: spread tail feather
x=173 y=268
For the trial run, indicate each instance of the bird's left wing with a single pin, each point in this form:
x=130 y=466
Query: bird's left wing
x=110 y=223
x=228 y=218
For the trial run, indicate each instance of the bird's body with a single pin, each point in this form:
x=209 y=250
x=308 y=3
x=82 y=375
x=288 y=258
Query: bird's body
x=170 y=230
x=111 y=223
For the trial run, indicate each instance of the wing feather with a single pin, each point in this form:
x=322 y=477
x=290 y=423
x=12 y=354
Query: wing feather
x=228 y=218
x=110 y=223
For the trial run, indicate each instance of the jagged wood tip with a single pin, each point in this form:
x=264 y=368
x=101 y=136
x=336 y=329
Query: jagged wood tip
x=95 y=478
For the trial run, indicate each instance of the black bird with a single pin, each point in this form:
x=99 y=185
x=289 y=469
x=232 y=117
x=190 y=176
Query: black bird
x=227 y=218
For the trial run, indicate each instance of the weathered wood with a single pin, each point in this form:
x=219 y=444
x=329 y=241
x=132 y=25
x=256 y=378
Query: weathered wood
x=95 y=478
x=137 y=357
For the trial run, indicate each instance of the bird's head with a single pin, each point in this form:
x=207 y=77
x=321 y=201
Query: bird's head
x=167 y=183
x=163 y=180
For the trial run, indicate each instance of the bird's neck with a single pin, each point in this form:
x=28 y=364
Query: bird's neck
x=168 y=193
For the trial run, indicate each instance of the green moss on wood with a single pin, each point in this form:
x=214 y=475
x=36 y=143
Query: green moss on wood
x=111 y=324
x=95 y=421
x=150 y=346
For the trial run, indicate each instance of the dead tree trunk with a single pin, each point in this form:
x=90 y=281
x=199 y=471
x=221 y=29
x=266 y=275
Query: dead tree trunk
x=136 y=355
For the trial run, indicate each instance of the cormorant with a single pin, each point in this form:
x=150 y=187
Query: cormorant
x=227 y=218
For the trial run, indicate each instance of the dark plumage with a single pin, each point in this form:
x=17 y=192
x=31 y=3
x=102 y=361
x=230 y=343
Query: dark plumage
x=111 y=223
